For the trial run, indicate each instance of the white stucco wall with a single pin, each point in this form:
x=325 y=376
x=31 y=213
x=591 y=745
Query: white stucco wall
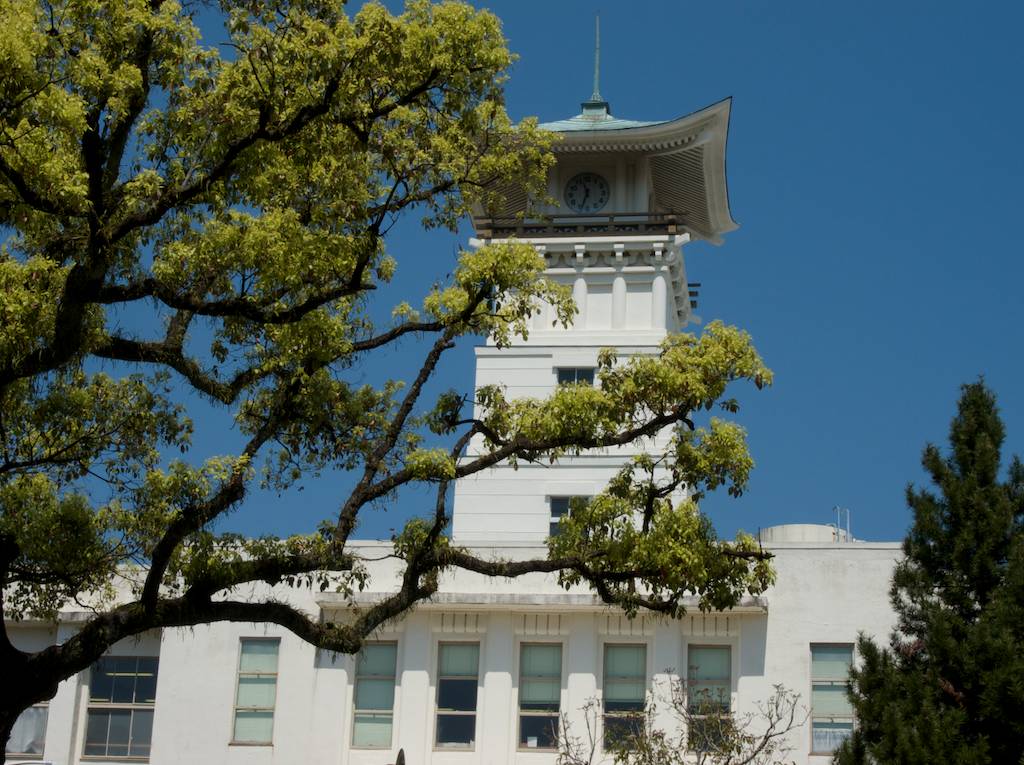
x=825 y=593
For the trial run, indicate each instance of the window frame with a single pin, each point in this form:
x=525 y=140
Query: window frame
x=554 y=520
x=438 y=746
x=590 y=376
x=642 y=714
x=519 y=712
x=729 y=650
x=112 y=706
x=239 y=674
x=356 y=677
x=812 y=718
x=8 y=753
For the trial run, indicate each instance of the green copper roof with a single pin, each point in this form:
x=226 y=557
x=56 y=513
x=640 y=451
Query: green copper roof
x=595 y=116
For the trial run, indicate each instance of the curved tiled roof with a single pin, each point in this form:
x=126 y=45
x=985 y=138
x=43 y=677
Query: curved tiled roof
x=595 y=116
x=585 y=122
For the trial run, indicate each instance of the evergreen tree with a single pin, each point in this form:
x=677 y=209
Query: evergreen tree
x=950 y=688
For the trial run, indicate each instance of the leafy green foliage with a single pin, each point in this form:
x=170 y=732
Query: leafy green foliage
x=950 y=687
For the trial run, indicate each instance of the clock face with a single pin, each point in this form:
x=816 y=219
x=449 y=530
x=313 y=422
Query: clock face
x=586 y=192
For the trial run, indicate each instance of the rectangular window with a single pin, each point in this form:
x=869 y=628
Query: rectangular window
x=561 y=507
x=540 y=689
x=122 y=694
x=709 y=694
x=374 y=695
x=625 y=692
x=579 y=375
x=257 y=691
x=29 y=733
x=709 y=677
x=458 y=664
x=831 y=712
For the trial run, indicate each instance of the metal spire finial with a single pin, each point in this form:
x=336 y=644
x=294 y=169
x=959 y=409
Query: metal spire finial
x=596 y=108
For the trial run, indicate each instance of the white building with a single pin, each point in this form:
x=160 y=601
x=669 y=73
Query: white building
x=479 y=675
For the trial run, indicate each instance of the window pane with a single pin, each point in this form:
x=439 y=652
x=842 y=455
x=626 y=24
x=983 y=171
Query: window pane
x=145 y=682
x=377 y=659
x=610 y=705
x=101 y=682
x=142 y=733
x=538 y=732
x=29 y=732
x=375 y=694
x=625 y=661
x=709 y=663
x=119 y=732
x=559 y=506
x=830 y=700
x=455 y=730
x=539 y=694
x=828 y=736
x=256 y=692
x=259 y=656
x=459 y=659
x=96 y=726
x=619 y=729
x=831 y=662
x=372 y=730
x=541 y=660
x=709 y=733
x=254 y=727
x=710 y=697
x=123 y=680
x=457 y=695
x=624 y=690
x=575 y=375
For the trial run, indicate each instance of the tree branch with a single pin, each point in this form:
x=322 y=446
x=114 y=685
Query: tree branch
x=118 y=348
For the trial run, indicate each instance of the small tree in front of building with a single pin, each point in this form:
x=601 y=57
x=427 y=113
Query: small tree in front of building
x=701 y=731
x=950 y=686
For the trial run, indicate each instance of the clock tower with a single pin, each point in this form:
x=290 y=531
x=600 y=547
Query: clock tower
x=629 y=196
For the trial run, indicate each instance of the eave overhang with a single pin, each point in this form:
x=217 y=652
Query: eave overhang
x=505 y=602
x=687 y=164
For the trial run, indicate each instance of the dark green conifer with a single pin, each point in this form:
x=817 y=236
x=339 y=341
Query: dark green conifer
x=950 y=687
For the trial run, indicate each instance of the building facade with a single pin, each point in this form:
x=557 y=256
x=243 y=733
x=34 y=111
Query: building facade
x=488 y=671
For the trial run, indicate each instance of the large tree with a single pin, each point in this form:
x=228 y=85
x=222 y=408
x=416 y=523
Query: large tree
x=181 y=222
x=950 y=687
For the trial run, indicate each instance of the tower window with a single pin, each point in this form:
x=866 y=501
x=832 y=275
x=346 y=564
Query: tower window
x=374 y=695
x=831 y=712
x=122 y=695
x=625 y=692
x=560 y=508
x=457 y=678
x=577 y=375
x=709 y=699
x=257 y=691
x=540 y=683
x=29 y=733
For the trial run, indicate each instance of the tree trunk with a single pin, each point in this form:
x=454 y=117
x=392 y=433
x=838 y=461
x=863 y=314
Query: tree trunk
x=7 y=720
x=20 y=691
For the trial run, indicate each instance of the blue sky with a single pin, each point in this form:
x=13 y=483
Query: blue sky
x=875 y=169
